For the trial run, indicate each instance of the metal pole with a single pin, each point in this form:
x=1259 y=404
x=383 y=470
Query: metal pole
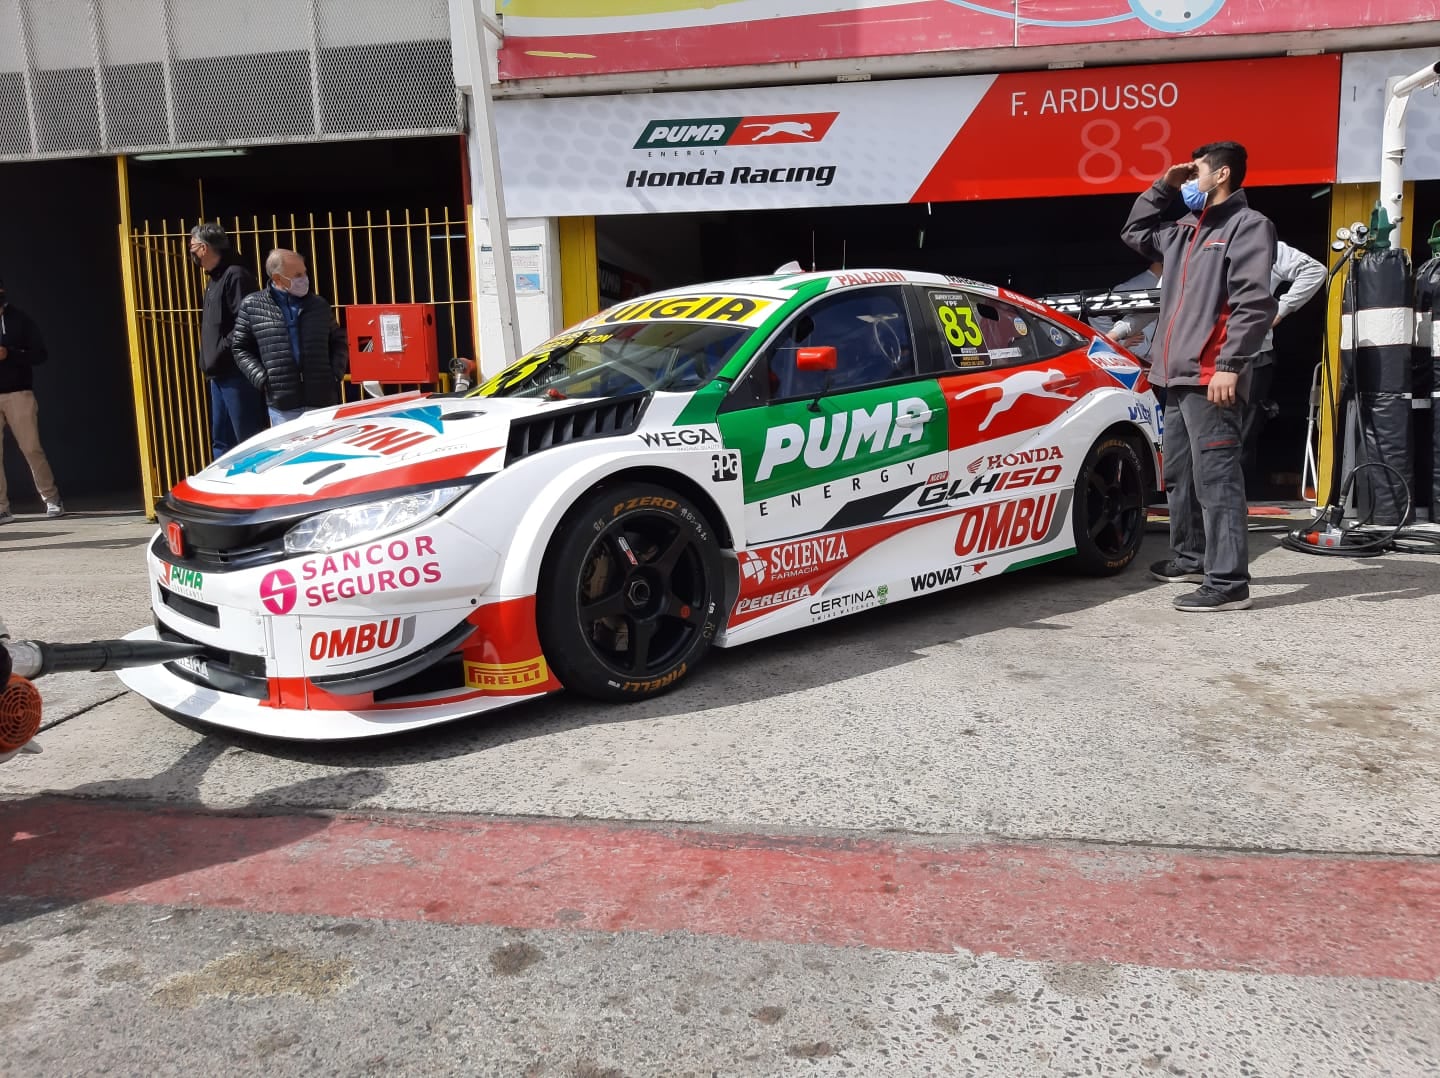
x=487 y=143
x=1392 y=152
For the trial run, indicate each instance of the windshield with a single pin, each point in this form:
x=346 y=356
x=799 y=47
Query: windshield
x=606 y=361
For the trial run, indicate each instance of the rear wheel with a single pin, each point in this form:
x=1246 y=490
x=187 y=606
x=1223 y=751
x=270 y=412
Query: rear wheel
x=630 y=593
x=1109 y=507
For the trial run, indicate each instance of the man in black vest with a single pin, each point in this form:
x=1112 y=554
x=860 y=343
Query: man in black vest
x=287 y=342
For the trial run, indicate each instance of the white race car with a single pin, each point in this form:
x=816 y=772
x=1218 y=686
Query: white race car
x=700 y=468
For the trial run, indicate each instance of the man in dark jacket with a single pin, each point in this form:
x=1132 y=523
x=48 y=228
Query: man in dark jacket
x=1215 y=308
x=287 y=342
x=21 y=349
x=237 y=410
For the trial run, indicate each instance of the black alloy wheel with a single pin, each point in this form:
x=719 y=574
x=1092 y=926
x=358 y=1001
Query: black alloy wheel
x=631 y=592
x=1109 y=507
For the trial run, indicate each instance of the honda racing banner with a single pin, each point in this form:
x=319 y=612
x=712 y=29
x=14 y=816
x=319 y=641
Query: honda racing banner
x=1023 y=134
x=556 y=38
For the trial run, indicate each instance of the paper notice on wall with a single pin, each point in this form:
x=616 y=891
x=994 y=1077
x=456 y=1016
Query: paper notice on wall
x=526 y=263
x=390 y=338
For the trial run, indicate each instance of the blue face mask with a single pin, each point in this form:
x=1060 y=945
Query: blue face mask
x=1193 y=196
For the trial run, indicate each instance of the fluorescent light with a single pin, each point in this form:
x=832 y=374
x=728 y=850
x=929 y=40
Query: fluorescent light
x=182 y=155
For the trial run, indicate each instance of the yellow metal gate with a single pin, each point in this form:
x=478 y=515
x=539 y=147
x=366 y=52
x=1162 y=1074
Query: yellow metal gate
x=410 y=256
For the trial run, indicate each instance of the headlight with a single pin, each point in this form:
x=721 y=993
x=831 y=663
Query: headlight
x=341 y=528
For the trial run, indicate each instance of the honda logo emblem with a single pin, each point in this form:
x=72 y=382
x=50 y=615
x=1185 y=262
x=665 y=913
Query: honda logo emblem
x=175 y=538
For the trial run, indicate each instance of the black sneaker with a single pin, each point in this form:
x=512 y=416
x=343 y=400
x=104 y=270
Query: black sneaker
x=1171 y=573
x=1206 y=600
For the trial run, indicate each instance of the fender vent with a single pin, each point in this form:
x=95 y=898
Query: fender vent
x=590 y=419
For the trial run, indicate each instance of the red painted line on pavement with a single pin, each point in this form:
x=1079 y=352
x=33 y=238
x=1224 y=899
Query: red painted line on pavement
x=1291 y=914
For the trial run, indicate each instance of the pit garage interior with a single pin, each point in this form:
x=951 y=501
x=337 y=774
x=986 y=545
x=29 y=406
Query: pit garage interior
x=1036 y=246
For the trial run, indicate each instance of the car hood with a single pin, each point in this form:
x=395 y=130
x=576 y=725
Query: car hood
x=355 y=449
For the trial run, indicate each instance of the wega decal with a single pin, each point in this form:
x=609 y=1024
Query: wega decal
x=185 y=581
x=681 y=438
x=807 y=127
x=999 y=526
x=377 y=568
x=359 y=642
x=507 y=677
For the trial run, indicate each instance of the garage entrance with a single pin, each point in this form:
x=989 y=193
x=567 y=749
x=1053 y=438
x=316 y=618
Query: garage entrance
x=1035 y=246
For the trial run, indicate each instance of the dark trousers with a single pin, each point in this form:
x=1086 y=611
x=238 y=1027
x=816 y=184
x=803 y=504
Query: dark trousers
x=1206 y=489
x=237 y=412
x=1253 y=418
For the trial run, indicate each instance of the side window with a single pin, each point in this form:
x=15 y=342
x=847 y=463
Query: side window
x=1006 y=331
x=870 y=334
x=1051 y=340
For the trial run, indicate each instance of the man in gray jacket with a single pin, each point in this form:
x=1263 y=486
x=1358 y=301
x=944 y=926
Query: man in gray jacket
x=1215 y=308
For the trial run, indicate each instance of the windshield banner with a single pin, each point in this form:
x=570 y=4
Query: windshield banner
x=1016 y=135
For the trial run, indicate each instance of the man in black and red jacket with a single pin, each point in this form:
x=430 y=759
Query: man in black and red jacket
x=21 y=349
x=1215 y=309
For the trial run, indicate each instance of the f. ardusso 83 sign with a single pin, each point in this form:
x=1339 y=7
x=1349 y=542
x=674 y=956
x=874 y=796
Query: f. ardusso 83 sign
x=998 y=136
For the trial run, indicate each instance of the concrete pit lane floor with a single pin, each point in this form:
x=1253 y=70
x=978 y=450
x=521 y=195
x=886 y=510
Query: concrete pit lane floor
x=1039 y=825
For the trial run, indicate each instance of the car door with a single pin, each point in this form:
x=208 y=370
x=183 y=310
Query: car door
x=1014 y=376
x=823 y=451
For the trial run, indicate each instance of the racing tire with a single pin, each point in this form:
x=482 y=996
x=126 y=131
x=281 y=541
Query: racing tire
x=631 y=592
x=1109 y=516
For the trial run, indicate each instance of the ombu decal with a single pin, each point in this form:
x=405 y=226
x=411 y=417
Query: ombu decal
x=1003 y=525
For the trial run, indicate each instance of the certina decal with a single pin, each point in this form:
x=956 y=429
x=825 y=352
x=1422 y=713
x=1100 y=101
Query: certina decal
x=939 y=493
x=841 y=436
x=360 y=641
x=1018 y=385
x=185 y=581
x=838 y=605
x=736 y=131
x=819 y=175
x=507 y=677
x=683 y=438
x=999 y=526
x=779 y=598
x=743 y=310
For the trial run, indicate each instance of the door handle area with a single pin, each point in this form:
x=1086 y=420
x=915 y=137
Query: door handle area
x=913 y=419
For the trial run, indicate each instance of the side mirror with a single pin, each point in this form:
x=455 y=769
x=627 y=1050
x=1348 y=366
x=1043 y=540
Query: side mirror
x=816 y=359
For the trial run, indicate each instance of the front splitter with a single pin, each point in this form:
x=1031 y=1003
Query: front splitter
x=170 y=692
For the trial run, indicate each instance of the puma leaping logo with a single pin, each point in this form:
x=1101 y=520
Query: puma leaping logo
x=1020 y=384
x=784 y=127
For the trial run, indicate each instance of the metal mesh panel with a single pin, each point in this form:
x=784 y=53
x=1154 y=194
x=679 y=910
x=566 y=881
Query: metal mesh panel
x=84 y=77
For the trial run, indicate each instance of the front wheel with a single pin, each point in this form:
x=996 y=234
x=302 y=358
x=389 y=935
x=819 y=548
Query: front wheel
x=630 y=593
x=1109 y=507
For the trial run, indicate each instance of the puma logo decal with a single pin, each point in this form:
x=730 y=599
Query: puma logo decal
x=784 y=127
x=1020 y=384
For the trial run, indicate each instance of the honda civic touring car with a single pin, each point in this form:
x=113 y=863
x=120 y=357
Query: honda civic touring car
x=699 y=468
